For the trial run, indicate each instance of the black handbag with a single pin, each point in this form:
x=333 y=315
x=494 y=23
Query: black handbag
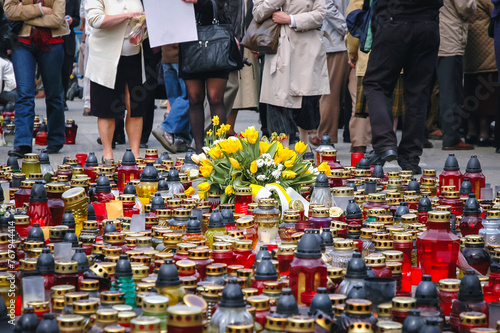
x=215 y=49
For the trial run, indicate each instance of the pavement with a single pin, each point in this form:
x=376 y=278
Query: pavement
x=87 y=134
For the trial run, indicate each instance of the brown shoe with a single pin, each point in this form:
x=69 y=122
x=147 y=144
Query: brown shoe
x=314 y=140
x=436 y=135
x=358 y=149
x=86 y=112
x=460 y=146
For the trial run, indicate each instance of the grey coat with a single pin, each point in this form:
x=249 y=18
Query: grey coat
x=334 y=25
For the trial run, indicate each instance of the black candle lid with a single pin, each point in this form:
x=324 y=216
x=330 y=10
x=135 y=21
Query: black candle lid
x=356 y=268
x=413 y=185
x=109 y=227
x=266 y=270
x=149 y=174
x=473 y=165
x=68 y=219
x=130 y=189
x=128 y=157
x=28 y=321
x=309 y=246
x=322 y=181
x=43 y=157
x=321 y=301
x=70 y=237
x=425 y=204
x=232 y=296
x=193 y=226
x=123 y=267
x=157 y=202
x=466 y=186
x=162 y=185
x=45 y=263
x=353 y=210
x=326 y=140
x=48 y=324
x=378 y=171
x=287 y=304
x=215 y=220
x=327 y=237
x=188 y=157
x=36 y=233
x=426 y=293
x=102 y=184
x=173 y=175
x=451 y=163
x=472 y=206
x=168 y=276
x=227 y=216
x=12 y=162
x=470 y=287
x=38 y=193
x=357 y=292
x=91 y=160
x=81 y=258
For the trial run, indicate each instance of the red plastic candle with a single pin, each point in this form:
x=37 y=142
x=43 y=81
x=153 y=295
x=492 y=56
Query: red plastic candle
x=242 y=197
x=70 y=131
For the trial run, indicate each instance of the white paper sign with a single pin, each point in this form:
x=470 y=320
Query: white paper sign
x=138 y=222
x=170 y=22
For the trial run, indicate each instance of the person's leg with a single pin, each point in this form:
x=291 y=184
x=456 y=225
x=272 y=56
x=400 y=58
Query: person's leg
x=384 y=66
x=67 y=68
x=232 y=87
x=133 y=126
x=329 y=105
x=50 y=65
x=359 y=128
x=177 y=121
x=449 y=72
x=215 y=95
x=24 y=61
x=151 y=67
x=86 y=82
x=196 y=93
x=106 y=127
x=418 y=73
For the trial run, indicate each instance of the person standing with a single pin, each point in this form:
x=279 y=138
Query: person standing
x=404 y=37
x=115 y=69
x=480 y=75
x=453 y=27
x=73 y=19
x=8 y=91
x=338 y=70
x=174 y=132
x=39 y=43
x=294 y=77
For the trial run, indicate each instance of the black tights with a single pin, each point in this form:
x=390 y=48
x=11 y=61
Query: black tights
x=215 y=94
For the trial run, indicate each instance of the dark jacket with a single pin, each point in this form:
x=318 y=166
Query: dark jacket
x=413 y=10
x=73 y=10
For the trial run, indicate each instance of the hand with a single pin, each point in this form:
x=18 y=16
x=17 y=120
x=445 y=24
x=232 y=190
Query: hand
x=255 y=53
x=191 y=1
x=280 y=17
x=70 y=20
x=352 y=63
x=46 y=10
x=131 y=16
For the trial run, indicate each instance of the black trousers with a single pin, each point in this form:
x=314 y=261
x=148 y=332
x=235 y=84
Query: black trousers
x=412 y=46
x=151 y=61
x=67 y=68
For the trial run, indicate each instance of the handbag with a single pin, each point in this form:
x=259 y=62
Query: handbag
x=262 y=37
x=215 y=49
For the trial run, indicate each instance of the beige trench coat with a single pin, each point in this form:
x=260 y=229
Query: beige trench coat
x=299 y=67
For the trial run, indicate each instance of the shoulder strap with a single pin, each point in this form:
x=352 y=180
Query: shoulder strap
x=215 y=19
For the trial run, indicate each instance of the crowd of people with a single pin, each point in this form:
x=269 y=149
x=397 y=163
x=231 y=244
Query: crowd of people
x=431 y=71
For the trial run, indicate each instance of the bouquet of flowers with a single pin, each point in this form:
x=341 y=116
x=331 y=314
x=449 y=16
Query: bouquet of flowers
x=248 y=159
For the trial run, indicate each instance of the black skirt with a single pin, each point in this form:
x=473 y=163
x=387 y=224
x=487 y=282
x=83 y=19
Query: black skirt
x=110 y=103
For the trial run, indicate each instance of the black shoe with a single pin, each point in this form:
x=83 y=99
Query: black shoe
x=405 y=164
x=427 y=145
x=119 y=139
x=497 y=151
x=19 y=151
x=471 y=139
x=484 y=142
x=389 y=155
x=53 y=149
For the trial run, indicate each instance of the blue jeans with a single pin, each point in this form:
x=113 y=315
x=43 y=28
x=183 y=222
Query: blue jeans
x=177 y=121
x=25 y=58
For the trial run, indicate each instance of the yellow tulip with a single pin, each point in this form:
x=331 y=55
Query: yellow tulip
x=286 y=154
x=189 y=192
x=253 y=167
x=206 y=168
x=326 y=168
x=209 y=132
x=300 y=147
x=202 y=195
x=215 y=153
x=234 y=163
x=204 y=187
x=277 y=159
x=264 y=147
x=288 y=174
x=215 y=120
x=289 y=163
x=229 y=190
x=251 y=135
